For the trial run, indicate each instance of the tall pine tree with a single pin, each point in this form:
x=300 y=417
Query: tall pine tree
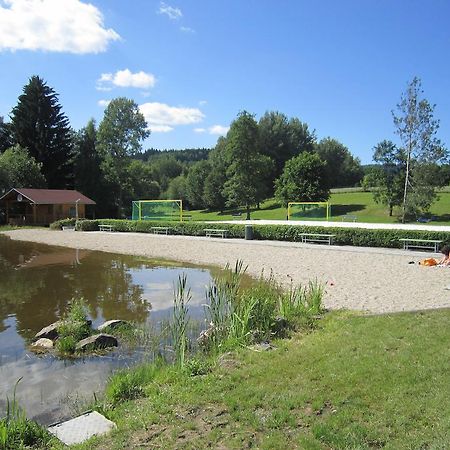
x=38 y=124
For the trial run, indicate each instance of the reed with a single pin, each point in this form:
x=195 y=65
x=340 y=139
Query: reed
x=180 y=319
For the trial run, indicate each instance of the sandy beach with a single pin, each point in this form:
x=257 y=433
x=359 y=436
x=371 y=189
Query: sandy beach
x=372 y=280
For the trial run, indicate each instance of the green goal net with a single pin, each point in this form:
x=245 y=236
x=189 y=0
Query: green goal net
x=308 y=211
x=164 y=210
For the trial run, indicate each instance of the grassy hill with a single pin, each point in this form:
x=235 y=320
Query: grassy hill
x=359 y=204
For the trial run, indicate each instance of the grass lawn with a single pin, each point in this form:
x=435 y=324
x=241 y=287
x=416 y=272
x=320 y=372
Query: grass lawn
x=356 y=382
x=359 y=204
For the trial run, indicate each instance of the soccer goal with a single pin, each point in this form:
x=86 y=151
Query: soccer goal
x=308 y=211
x=168 y=210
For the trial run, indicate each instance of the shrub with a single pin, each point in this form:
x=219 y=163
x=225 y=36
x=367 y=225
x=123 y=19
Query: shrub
x=362 y=237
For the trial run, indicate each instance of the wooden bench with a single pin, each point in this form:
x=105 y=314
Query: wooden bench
x=349 y=218
x=424 y=244
x=317 y=237
x=104 y=227
x=68 y=228
x=214 y=232
x=160 y=230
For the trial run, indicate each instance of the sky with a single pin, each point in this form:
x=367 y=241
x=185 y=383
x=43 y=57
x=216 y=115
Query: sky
x=193 y=65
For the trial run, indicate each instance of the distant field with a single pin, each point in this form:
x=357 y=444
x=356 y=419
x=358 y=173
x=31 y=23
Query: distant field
x=359 y=204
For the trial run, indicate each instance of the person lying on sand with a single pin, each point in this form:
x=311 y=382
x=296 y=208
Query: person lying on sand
x=445 y=260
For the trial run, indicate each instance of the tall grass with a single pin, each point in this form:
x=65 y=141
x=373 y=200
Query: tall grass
x=221 y=307
x=301 y=302
x=180 y=320
x=238 y=317
x=16 y=431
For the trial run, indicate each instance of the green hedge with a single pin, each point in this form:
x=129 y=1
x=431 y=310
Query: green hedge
x=360 y=237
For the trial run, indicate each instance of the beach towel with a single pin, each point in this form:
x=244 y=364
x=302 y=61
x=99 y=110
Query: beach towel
x=428 y=262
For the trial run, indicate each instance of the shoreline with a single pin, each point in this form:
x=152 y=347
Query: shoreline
x=363 y=279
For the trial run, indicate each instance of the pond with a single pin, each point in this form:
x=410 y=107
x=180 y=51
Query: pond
x=36 y=284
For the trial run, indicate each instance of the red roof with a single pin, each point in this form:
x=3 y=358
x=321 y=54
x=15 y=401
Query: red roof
x=51 y=196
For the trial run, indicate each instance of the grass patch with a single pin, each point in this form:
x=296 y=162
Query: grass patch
x=74 y=326
x=356 y=382
x=18 y=432
x=343 y=202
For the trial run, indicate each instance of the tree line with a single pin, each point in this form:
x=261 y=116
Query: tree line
x=275 y=156
x=40 y=149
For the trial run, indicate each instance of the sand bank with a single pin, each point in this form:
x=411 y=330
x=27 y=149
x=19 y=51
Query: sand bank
x=373 y=280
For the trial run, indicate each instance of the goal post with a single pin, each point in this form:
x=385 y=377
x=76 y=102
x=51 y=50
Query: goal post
x=308 y=211
x=158 y=210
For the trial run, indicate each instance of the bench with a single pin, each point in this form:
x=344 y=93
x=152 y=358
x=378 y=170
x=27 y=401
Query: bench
x=160 y=230
x=425 y=244
x=68 y=228
x=103 y=227
x=349 y=218
x=236 y=214
x=317 y=237
x=215 y=232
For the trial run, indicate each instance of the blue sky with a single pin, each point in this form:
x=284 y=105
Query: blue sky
x=192 y=65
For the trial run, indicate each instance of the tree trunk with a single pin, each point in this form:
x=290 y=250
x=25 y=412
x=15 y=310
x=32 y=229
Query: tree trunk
x=248 y=212
x=390 y=210
x=405 y=192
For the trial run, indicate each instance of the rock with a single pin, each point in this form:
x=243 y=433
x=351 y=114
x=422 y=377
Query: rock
x=97 y=341
x=49 y=332
x=111 y=324
x=43 y=343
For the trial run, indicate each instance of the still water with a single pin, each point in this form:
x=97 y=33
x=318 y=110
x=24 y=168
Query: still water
x=36 y=284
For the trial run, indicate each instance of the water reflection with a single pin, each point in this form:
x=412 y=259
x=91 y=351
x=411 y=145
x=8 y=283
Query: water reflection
x=36 y=284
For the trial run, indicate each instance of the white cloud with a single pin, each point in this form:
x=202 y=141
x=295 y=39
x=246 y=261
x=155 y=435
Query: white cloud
x=171 y=12
x=125 y=78
x=53 y=25
x=103 y=103
x=187 y=30
x=200 y=130
x=218 y=129
x=160 y=128
x=202 y=102
x=161 y=117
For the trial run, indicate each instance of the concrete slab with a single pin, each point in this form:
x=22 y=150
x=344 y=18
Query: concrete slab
x=81 y=428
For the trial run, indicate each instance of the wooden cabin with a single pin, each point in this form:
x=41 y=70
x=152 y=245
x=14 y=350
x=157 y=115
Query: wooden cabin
x=44 y=206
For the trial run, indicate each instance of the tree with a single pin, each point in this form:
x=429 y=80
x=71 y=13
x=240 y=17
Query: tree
x=195 y=183
x=39 y=125
x=165 y=168
x=281 y=139
x=141 y=184
x=120 y=136
x=342 y=169
x=87 y=162
x=19 y=169
x=6 y=140
x=387 y=178
x=176 y=189
x=246 y=165
x=416 y=127
x=303 y=180
x=213 y=196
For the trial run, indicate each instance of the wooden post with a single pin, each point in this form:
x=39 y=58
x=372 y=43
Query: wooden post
x=34 y=213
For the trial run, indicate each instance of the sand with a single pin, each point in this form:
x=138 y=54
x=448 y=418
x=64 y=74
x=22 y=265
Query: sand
x=372 y=280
